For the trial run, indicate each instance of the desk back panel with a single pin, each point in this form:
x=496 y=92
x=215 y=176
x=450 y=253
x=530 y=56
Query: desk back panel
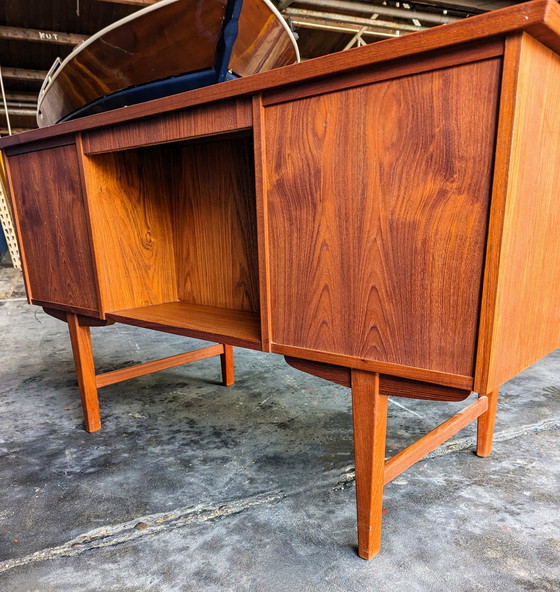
x=378 y=202
x=53 y=228
x=215 y=224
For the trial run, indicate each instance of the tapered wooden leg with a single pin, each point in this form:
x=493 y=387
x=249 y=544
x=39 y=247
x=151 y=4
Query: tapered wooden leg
x=85 y=369
x=485 y=428
x=369 y=411
x=228 y=375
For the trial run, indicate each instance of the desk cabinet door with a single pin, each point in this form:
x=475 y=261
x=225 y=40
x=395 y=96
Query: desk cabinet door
x=378 y=202
x=53 y=228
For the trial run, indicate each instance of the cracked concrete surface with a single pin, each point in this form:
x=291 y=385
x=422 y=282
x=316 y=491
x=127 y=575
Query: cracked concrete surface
x=193 y=486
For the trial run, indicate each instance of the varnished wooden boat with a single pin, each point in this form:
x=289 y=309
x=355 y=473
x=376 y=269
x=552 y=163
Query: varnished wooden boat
x=168 y=47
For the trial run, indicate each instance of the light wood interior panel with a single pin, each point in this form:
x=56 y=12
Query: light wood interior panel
x=523 y=274
x=215 y=225
x=53 y=228
x=129 y=197
x=378 y=199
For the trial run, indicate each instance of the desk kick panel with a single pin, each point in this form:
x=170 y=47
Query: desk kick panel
x=378 y=201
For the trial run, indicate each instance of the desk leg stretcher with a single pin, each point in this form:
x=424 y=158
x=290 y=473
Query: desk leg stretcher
x=89 y=382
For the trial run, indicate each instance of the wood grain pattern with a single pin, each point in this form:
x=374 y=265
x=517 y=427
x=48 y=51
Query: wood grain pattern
x=84 y=321
x=388 y=385
x=411 y=455
x=263 y=239
x=386 y=71
x=52 y=227
x=231 y=327
x=156 y=365
x=215 y=225
x=129 y=197
x=205 y=120
x=376 y=252
x=540 y=18
x=85 y=369
x=369 y=413
x=523 y=269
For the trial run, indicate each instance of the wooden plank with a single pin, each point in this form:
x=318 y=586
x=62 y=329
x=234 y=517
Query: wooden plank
x=521 y=320
x=129 y=198
x=58 y=258
x=388 y=385
x=155 y=366
x=231 y=327
x=85 y=369
x=215 y=225
x=407 y=457
x=369 y=413
x=262 y=220
x=409 y=372
x=205 y=120
x=540 y=17
x=382 y=258
x=53 y=37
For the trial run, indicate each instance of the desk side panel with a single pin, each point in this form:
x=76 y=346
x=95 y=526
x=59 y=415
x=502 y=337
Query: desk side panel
x=522 y=286
x=53 y=228
x=378 y=200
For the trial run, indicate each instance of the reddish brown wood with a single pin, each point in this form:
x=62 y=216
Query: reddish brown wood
x=215 y=225
x=407 y=372
x=157 y=365
x=150 y=47
x=58 y=258
x=232 y=327
x=129 y=197
x=411 y=455
x=486 y=422
x=540 y=18
x=85 y=369
x=84 y=321
x=226 y=358
x=382 y=258
x=523 y=267
x=388 y=385
x=263 y=239
x=203 y=120
x=387 y=71
x=369 y=412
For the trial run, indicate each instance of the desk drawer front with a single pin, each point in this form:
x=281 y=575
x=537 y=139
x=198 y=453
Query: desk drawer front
x=377 y=211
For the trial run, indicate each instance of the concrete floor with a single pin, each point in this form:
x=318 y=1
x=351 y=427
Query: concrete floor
x=194 y=486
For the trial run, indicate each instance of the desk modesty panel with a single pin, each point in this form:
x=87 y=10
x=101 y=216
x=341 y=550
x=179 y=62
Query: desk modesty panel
x=386 y=218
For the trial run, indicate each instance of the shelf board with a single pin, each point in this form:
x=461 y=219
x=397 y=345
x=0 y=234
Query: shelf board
x=220 y=325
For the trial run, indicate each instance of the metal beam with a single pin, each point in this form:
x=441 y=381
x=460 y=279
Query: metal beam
x=295 y=13
x=22 y=97
x=322 y=25
x=17 y=112
x=402 y=13
x=41 y=36
x=24 y=74
x=475 y=6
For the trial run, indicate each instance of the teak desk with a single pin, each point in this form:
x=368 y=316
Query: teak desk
x=386 y=218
